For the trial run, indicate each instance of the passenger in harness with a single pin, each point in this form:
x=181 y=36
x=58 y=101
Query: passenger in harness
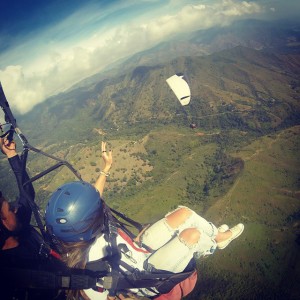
x=90 y=237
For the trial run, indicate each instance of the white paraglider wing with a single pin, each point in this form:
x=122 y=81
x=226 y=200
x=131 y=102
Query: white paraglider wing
x=180 y=87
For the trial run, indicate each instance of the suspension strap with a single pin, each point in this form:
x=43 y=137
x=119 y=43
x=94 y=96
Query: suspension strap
x=114 y=254
x=10 y=119
x=137 y=225
x=73 y=279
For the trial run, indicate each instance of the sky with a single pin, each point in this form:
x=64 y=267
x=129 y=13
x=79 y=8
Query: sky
x=47 y=46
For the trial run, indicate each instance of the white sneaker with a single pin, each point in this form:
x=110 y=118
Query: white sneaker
x=236 y=232
x=223 y=228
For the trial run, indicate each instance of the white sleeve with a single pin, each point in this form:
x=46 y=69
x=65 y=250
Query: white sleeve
x=93 y=295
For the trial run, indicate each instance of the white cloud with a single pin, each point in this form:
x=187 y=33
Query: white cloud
x=21 y=91
x=62 y=64
x=200 y=6
x=233 y=8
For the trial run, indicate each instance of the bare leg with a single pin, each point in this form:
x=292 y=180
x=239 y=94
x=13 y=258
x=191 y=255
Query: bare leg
x=177 y=253
x=173 y=224
x=190 y=236
x=222 y=236
x=178 y=217
x=223 y=239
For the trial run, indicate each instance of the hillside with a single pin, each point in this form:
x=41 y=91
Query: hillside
x=264 y=263
x=227 y=176
x=237 y=88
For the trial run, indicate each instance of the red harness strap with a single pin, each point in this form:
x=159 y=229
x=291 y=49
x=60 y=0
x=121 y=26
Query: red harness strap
x=126 y=238
x=55 y=254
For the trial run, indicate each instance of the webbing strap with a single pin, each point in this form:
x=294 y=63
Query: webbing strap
x=137 y=225
x=126 y=238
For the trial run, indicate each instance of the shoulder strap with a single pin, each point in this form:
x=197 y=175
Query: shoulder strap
x=111 y=233
x=136 y=224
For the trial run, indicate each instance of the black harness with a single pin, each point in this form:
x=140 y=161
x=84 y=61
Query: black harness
x=106 y=271
x=157 y=281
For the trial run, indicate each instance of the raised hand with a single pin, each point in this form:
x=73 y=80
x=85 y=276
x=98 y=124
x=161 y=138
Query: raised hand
x=8 y=147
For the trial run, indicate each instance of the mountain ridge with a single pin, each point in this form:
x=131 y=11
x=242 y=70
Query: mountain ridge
x=256 y=84
x=279 y=36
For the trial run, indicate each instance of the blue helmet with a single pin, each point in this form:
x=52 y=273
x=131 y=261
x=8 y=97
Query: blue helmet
x=75 y=212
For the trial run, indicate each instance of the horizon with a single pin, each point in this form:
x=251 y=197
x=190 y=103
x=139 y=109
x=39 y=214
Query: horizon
x=46 y=47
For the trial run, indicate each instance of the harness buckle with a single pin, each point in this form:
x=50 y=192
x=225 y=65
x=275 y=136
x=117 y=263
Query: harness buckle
x=44 y=250
x=107 y=282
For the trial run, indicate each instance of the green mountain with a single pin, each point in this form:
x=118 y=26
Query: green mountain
x=237 y=88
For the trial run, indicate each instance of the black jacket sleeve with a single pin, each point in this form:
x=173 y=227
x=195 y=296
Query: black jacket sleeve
x=24 y=210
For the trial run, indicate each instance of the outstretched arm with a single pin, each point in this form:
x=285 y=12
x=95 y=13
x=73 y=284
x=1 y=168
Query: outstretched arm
x=9 y=149
x=108 y=160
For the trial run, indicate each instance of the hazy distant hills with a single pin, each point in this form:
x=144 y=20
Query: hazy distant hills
x=272 y=36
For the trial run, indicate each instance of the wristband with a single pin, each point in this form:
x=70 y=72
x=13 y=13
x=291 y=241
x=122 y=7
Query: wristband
x=104 y=173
